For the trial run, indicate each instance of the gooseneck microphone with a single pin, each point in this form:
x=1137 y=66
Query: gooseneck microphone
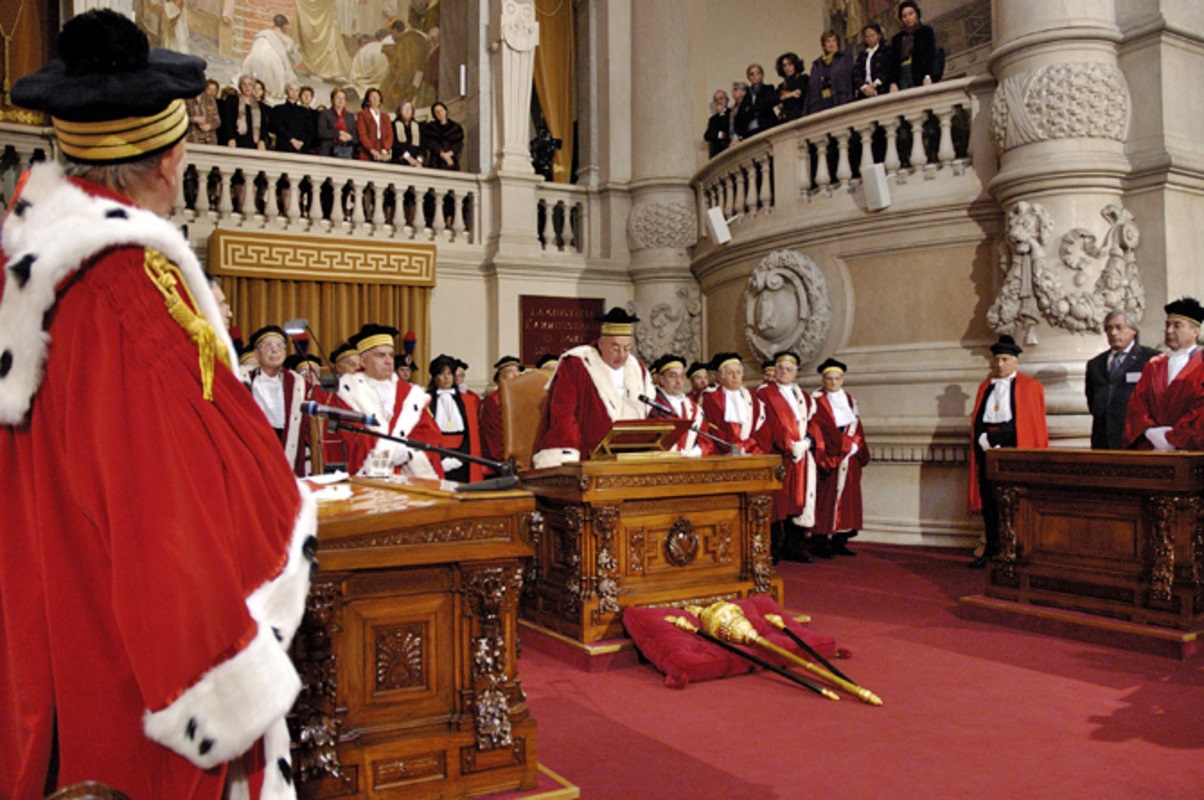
x=316 y=409
x=643 y=398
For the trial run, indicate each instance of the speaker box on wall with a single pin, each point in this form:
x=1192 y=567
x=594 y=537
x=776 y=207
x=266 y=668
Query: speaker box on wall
x=877 y=192
x=720 y=233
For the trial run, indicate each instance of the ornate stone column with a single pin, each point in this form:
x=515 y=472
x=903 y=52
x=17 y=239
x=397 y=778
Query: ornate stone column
x=1060 y=118
x=663 y=221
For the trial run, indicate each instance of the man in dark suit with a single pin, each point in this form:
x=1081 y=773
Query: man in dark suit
x=762 y=98
x=1111 y=377
x=719 y=127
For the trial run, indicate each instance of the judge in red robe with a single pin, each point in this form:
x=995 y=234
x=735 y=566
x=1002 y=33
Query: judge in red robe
x=841 y=457
x=157 y=549
x=699 y=375
x=280 y=392
x=735 y=414
x=673 y=402
x=492 y=444
x=595 y=385
x=1009 y=411
x=1166 y=409
x=457 y=415
x=790 y=431
x=398 y=407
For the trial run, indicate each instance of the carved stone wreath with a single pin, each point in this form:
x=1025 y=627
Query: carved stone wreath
x=681 y=544
x=787 y=306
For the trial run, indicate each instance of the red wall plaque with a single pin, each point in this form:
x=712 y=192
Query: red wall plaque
x=555 y=324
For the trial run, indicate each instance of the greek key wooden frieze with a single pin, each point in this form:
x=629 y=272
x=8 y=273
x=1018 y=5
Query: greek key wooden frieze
x=260 y=254
x=665 y=479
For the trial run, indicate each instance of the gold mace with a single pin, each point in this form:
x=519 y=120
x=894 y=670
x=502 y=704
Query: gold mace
x=726 y=621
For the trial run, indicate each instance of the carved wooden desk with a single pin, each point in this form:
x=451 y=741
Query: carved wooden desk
x=1114 y=533
x=407 y=651
x=647 y=532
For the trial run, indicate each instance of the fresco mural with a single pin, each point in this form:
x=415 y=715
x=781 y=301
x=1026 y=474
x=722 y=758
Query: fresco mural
x=325 y=44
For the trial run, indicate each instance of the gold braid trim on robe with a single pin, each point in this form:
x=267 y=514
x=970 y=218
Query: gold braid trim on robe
x=168 y=280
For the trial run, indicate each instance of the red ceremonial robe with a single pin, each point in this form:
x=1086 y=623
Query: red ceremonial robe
x=796 y=498
x=295 y=437
x=583 y=405
x=409 y=420
x=472 y=431
x=153 y=567
x=490 y=422
x=689 y=441
x=1031 y=431
x=1180 y=405
x=749 y=437
x=838 y=497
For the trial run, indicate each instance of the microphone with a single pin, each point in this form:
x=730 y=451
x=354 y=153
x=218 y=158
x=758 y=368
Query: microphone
x=643 y=398
x=316 y=409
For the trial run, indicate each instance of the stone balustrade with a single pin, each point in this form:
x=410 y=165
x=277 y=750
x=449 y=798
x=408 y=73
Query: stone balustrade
x=822 y=157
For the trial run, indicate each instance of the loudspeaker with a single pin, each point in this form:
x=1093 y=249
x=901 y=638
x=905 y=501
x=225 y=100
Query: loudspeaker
x=720 y=233
x=877 y=192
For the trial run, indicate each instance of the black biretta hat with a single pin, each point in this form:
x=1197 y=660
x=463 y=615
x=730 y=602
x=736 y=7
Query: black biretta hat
x=618 y=322
x=111 y=96
x=1186 y=307
x=1006 y=346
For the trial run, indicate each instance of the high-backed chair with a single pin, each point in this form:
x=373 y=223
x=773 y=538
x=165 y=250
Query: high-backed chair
x=524 y=399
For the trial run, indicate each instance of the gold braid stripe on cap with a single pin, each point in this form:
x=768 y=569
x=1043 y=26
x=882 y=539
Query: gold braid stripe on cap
x=122 y=139
x=168 y=280
x=618 y=329
x=376 y=340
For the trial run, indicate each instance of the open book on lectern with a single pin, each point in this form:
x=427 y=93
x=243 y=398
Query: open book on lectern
x=641 y=438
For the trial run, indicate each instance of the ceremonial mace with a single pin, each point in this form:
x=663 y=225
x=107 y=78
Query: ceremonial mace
x=685 y=625
x=776 y=621
x=727 y=621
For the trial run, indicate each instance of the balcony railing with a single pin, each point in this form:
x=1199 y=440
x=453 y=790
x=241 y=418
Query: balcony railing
x=809 y=161
x=250 y=189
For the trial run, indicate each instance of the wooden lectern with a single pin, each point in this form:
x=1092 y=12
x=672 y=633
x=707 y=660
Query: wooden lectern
x=648 y=532
x=1118 y=534
x=408 y=647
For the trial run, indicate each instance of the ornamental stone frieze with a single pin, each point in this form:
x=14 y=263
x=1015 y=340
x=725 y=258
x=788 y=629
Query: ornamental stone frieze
x=670 y=327
x=787 y=306
x=662 y=225
x=1083 y=100
x=1032 y=289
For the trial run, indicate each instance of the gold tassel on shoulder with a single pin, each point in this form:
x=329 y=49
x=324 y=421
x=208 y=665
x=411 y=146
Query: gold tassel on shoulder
x=169 y=281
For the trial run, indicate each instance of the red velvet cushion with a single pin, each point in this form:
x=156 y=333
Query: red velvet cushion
x=685 y=657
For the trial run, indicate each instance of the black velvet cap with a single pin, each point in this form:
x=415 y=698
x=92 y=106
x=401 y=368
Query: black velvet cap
x=618 y=322
x=697 y=367
x=503 y=362
x=545 y=359
x=722 y=358
x=831 y=363
x=267 y=330
x=372 y=335
x=440 y=361
x=1187 y=307
x=1006 y=346
x=346 y=348
x=667 y=361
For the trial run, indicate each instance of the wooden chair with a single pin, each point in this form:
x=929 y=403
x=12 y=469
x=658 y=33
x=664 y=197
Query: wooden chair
x=524 y=400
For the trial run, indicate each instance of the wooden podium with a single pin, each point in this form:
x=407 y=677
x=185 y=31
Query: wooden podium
x=647 y=531
x=1117 y=534
x=407 y=651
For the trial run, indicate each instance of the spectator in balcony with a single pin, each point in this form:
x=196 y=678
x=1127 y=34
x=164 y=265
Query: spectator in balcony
x=792 y=91
x=763 y=100
x=407 y=138
x=444 y=139
x=831 y=81
x=718 y=134
x=307 y=100
x=203 y=116
x=742 y=111
x=245 y=121
x=874 y=72
x=913 y=49
x=336 y=128
x=294 y=126
x=375 y=130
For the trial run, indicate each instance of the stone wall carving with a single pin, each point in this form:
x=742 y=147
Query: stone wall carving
x=1081 y=100
x=787 y=306
x=519 y=28
x=652 y=225
x=670 y=327
x=1032 y=291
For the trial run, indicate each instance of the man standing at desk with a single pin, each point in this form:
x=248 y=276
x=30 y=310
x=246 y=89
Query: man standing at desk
x=1111 y=378
x=595 y=386
x=1009 y=411
x=1166 y=410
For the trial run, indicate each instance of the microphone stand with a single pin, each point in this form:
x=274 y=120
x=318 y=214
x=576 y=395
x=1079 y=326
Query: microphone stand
x=668 y=412
x=506 y=478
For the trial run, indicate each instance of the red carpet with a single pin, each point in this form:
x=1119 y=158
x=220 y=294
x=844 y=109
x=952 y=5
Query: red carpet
x=971 y=710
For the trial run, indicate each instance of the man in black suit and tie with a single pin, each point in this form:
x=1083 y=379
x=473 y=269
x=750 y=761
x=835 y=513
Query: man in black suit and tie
x=1111 y=377
x=762 y=98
